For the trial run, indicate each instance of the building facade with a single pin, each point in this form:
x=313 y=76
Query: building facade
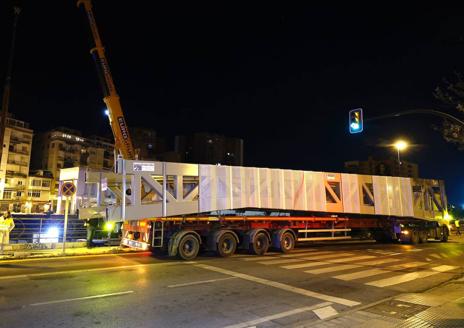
x=14 y=165
x=390 y=167
x=64 y=148
x=206 y=148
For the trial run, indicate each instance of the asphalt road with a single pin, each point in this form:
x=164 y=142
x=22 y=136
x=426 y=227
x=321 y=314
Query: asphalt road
x=139 y=290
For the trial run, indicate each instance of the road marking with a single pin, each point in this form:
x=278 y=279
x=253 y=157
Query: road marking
x=82 y=298
x=279 y=285
x=381 y=261
x=333 y=269
x=350 y=259
x=415 y=250
x=360 y=274
x=325 y=312
x=316 y=263
x=280 y=261
x=435 y=256
x=44 y=274
x=408 y=265
x=444 y=268
x=259 y=258
x=200 y=282
x=306 y=253
x=402 y=278
x=279 y=315
x=304 y=265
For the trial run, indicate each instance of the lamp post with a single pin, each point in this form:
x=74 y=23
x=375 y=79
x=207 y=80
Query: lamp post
x=400 y=145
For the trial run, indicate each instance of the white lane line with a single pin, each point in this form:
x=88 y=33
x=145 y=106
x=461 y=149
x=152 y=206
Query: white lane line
x=333 y=269
x=44 y=274
x=322 y=257
x=435 y=256
x=82 y=298
x=200 y=282
x=415 y=250
x=402 y=278
x=325 y=312
x=279 y=285
x=279 y=315
x=360 y=274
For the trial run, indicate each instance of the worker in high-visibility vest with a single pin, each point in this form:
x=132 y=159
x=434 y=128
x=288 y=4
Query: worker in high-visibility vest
x=458 y=226
x=6 y=221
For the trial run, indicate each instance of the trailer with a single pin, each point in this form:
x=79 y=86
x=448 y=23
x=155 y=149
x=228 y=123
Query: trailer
x=181 y=208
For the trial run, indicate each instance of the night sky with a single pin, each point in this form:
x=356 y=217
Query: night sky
x=282 y=78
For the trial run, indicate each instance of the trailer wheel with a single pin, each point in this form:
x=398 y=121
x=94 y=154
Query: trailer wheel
x=414 y=237
x=287 y=242
x=188 y=247
x=260 y=244
x=226 y=245
x=422 y=237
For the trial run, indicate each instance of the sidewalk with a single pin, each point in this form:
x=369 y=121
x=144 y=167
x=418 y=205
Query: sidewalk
x=57 y=251
x=442 y=306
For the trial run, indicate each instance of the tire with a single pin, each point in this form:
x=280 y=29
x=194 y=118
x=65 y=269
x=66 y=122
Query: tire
x=414 y=237
x=287 y=242
x=445 y=234
x=260 y=244
x=422 y=237
x=188 y=248
x=226 y=245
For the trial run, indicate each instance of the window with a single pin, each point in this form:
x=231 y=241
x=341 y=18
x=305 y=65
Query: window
x=36 y=182
x=19 y=193
x=46 y=183
x=34 y=193
x=7 y=181
x=7 y=194
x=20 y=182
x=52 y=145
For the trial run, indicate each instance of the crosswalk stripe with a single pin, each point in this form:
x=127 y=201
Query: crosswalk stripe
x=326 y=256
x=325 y=312
x=360 y=274
x=444 y=268
x=301 y=254
x=259 y=258
x=408 y=265
x=435 y=256
x=381 y=261
x=280 y=261
x=350 y=259
x=333 y=269
x=331 y=261
x=304 y=265
x=402 y=278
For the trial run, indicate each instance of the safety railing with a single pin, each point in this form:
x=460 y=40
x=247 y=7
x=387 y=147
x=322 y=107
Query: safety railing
x=46 y=229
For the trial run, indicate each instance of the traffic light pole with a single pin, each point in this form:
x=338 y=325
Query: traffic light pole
x=419 y=111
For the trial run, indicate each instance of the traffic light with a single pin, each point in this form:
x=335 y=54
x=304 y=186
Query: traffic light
x=356 y=120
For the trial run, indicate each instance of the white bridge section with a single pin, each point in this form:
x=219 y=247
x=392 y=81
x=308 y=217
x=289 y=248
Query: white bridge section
x=161 y=189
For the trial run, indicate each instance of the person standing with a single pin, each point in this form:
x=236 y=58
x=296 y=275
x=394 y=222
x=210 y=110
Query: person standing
x=458 y=227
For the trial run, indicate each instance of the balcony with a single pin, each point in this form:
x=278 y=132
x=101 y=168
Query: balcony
x=20 y=163
x=15 y=174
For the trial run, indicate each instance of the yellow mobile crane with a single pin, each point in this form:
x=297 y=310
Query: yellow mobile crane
x=122 y=139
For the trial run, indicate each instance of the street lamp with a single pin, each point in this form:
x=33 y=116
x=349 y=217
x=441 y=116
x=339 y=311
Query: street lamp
x=400 y=145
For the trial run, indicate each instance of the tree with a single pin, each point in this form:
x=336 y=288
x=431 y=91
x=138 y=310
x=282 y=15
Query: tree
x=451 y=95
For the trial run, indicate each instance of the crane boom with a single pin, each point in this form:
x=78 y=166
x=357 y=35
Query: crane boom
x=123 y=142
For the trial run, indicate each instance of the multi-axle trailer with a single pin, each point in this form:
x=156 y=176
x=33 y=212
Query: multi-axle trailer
x=182 y=208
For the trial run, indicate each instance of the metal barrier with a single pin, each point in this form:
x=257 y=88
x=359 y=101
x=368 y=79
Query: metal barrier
x=41 y=229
